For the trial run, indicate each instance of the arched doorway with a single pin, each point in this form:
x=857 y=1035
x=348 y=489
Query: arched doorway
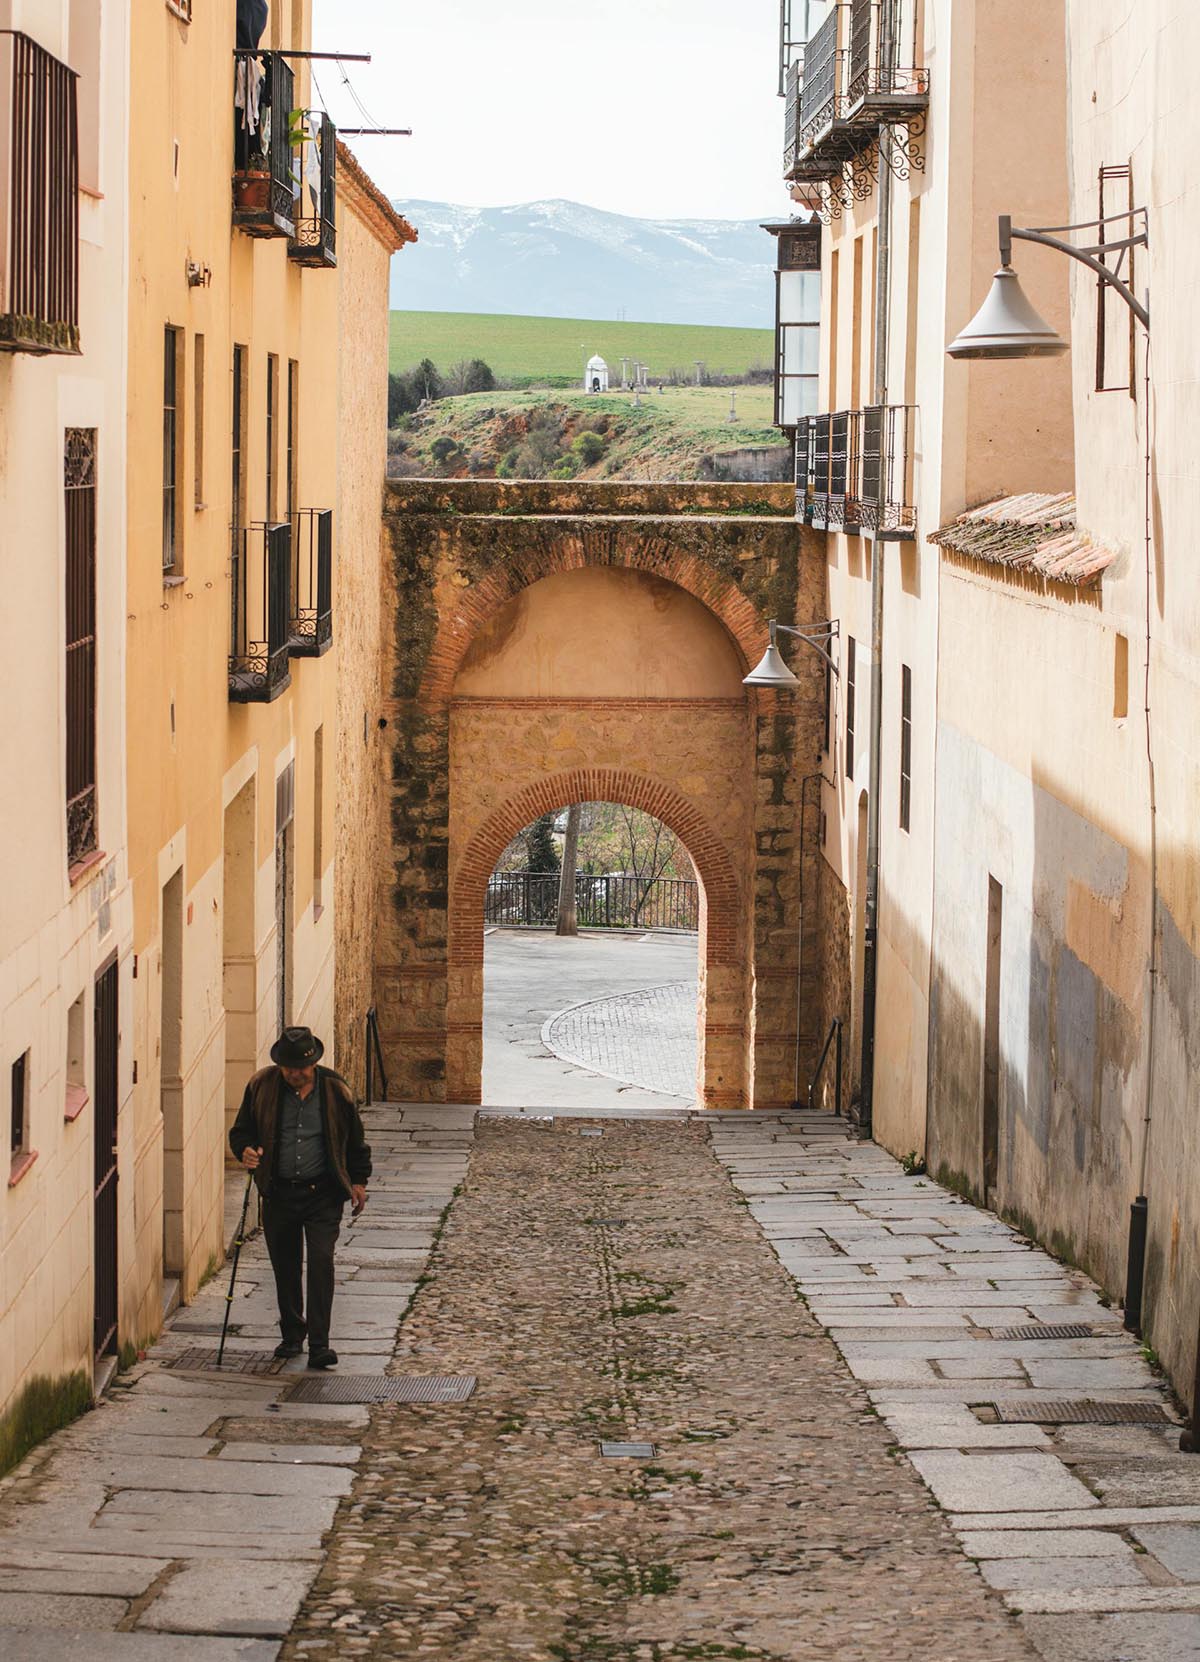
x=639 y=685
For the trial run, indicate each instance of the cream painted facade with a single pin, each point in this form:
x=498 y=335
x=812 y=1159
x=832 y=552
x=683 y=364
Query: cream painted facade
x=64 y=917
x=232 y=839
x=973 y=432
x=1034 y=1008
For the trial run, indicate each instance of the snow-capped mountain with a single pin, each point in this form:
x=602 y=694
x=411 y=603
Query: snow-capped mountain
x=561 y=259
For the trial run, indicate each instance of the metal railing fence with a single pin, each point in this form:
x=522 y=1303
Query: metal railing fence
x=609 y=900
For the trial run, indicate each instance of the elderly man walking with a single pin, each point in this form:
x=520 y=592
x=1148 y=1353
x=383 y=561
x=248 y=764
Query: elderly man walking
x=299 y=1131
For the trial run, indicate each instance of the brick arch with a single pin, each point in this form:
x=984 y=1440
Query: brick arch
x=476 y=603
x=724 y=1015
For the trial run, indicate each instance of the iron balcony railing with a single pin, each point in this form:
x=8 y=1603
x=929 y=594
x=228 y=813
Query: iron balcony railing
x=39 y=200
x=263 y=182
x=883 y=81
x=854 y=472
x=260 y=612
x=848 y=82
x=311 y=632
x=612 y=900
x=314 y=153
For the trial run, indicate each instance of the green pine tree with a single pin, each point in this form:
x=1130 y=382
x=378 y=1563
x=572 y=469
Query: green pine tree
x=543 y=850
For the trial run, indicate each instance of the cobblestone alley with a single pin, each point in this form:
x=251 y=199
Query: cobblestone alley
x=856 y=1389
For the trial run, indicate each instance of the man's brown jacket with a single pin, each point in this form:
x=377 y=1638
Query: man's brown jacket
x=346 y=1146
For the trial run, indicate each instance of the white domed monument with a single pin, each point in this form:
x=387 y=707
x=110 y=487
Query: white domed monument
x=595 y=376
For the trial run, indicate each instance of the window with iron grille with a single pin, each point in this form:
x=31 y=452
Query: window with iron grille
x=172 y=432
x=19 y=1112
x=79 y=477
x=851 y=654
x=905 y=745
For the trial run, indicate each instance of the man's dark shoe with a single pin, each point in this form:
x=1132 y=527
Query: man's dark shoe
x=289 y=1347
x=322 y=1358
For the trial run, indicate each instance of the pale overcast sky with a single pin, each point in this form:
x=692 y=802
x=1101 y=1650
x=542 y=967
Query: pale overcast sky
x=657 y=108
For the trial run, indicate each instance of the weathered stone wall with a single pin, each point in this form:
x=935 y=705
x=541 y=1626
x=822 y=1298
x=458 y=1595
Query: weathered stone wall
x=467 y=772
x=587 y=496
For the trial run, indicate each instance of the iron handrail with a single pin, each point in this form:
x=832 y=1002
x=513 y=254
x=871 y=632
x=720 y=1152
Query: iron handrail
x=835 y=1028
x=374 y=1058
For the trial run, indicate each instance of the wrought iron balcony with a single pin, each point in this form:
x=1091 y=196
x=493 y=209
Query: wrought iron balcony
x=39 y=200
x=314 y=147
x=263 y=184
x=849 y=83
x=854 y=472
x=312 y=583
x=260 y=601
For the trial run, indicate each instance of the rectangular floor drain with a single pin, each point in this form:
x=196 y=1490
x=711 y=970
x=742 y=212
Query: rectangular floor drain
x=198 y=1360
x=1081 y=1412
x=1048 y=1330
x=627 y=1451
x=378 y=1387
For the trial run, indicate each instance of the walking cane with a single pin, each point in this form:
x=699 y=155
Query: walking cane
x=239 y=1241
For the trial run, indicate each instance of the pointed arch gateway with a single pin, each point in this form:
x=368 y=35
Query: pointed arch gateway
x=724 y=986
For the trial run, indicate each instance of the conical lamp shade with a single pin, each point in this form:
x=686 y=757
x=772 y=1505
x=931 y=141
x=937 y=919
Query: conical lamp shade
x=770 y=671
x=1006 y=326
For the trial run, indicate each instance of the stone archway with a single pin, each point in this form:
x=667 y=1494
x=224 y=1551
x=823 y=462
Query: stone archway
x=472 y=751
x=723 y=983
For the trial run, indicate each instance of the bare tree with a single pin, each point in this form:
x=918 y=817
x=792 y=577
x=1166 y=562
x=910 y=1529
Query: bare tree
x=567 y=922
x=649 y=853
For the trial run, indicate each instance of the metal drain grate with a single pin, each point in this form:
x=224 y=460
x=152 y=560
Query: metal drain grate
x=607 y=1223
x=1048 y=1330
x=627 y=1451
x=379 y=1387
x=1082 y=1412
x=236 y=1361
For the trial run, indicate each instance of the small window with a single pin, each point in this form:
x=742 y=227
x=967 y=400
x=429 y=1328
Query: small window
x=238 y=437
x=272 y=411
x=19 y=1077
x=79 y=480
x=172 y=434
x=1121 y=677
x=851 y=654
x=905 y=745
x=318 y=819
x=198 y=421
x=293 y=439
x=76 y=1094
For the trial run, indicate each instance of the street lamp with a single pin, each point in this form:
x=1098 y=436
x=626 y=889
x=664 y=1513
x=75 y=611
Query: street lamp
x=771 y=671
x=1007 y=326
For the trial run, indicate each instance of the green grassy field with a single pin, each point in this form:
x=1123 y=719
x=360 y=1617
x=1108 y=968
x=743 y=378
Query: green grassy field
x=560 y=346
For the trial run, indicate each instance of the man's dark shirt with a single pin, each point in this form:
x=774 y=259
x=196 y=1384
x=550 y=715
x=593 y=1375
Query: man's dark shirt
x=301 y=1137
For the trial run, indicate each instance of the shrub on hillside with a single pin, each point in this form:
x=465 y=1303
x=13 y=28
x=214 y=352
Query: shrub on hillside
x=588 y=446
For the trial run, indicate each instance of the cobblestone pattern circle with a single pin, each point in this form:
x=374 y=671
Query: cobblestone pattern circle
x=645 y=1038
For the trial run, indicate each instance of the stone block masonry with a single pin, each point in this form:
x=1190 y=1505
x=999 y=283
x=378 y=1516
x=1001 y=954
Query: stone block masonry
x=492 y=721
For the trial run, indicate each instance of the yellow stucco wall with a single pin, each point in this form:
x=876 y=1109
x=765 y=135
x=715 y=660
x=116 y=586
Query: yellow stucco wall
x=57 y=929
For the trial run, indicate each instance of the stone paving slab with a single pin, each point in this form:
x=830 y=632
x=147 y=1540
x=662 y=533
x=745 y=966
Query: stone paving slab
x=61 y=1645
x=1072 y=1524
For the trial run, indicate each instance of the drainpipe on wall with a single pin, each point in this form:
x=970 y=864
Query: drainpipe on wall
x=883 y=236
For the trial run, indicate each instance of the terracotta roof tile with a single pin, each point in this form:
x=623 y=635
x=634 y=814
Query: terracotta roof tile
x=1034 y=532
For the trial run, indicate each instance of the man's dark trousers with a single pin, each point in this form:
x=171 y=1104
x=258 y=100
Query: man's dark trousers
x=300 y=1217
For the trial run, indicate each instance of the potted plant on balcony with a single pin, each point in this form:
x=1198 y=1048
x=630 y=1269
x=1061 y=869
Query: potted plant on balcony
x=252 y=184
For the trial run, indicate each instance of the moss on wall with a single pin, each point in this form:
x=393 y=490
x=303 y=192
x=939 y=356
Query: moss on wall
x=42 y=1406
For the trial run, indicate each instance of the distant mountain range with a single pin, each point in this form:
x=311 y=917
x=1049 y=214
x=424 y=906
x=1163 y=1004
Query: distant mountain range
x=560 y=259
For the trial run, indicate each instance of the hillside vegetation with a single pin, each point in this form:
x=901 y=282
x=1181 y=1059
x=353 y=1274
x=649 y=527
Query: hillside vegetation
x=540 y=435
x=555 y=349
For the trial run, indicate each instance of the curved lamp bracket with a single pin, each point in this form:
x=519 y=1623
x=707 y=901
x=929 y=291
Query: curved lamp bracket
x=1086 y=256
